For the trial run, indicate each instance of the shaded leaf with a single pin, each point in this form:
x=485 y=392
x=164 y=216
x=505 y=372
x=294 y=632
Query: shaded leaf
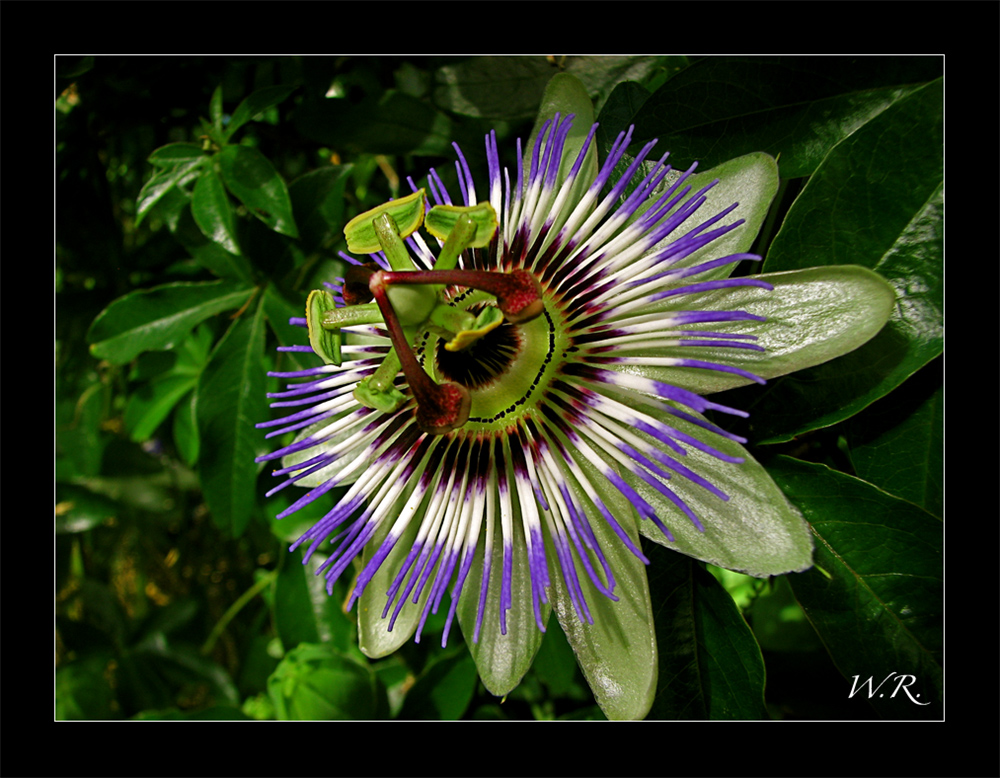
x=898 y=443
x=497 y=87
x=885 y=187
x=443 y=690
x=317 y=682
x=710 y=664
x=230 y=402
x=152 y=319
x=164 y=182
x=252 y=179
x=303 y=610
x=794 y=108
x=255 y=104
x=879 y=609
x=318 y=204
x=213 y=212
x=395 y=124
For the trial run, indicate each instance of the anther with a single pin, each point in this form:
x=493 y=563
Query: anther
x=356 y=279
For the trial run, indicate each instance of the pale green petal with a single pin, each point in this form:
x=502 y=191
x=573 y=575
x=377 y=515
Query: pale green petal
x=617 y=653
x=750 y=181
x=813 y=316
x=501 y=659
x=566 y=95
x=756 y=531
x=374 y=636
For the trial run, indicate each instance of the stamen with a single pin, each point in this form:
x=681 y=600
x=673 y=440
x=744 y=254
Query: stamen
x=518 y=293
x=440 y=407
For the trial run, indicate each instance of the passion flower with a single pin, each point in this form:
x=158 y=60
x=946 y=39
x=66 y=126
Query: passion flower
x=508 y=401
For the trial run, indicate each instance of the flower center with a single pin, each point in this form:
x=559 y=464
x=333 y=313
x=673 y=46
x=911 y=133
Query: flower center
x=504 y=371
x=483 y=361
x=455 y=332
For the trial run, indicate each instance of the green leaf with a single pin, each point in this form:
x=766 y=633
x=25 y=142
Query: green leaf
x=215 y=109
x=710 y=664
x=897 y=444
x=443 y=690
x=252 y=179
x=230 y=402
x=885 y=187
x=879 y=607
x=174 y=154
x=794 y=108
x=78 y=509
x=255 y=104
x=317 y=682
x=152 y=319
x=151 y=404
x=83 y=691
x=185 y=430
x=164 y=182
x=213 y=212
x=214 y=713
x=207 y=253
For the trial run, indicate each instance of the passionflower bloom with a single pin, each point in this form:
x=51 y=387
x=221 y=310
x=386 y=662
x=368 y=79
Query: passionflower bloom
x=513 y=390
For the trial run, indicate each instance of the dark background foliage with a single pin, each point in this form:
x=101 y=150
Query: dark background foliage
x=175 y=595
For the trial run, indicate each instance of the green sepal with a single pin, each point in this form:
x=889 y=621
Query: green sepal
x=441 y=220
x=407 y=212
x=325 y=342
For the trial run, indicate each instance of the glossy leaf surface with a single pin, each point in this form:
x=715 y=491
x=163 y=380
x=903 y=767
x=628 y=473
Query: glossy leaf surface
x=879 y=608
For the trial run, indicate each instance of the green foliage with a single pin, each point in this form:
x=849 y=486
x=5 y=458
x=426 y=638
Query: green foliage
x=192 y=223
